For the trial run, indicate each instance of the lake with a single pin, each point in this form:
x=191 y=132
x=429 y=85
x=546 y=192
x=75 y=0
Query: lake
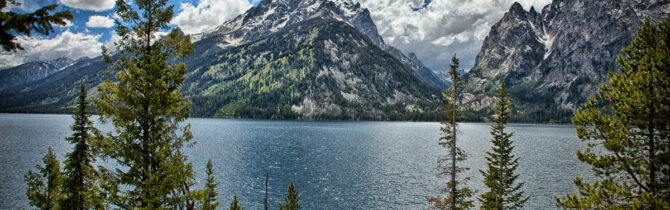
x=334 y=165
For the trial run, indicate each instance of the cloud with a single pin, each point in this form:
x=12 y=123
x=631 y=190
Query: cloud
x=208 y=14
x=95 y=5
x=25 y=6
x=67 y=44
x=96 y=21
x=436 y=30
x=9 y=60
x=110 y=44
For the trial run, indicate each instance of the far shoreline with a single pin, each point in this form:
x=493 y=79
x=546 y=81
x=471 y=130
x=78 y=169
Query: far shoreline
x=308 y=120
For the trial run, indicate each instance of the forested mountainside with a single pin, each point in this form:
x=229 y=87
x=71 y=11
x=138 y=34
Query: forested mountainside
x=320 y=66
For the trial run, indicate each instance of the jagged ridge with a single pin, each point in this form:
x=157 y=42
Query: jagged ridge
x=555 y=59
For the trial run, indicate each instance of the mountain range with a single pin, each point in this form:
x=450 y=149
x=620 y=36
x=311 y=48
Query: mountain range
x=280 y=59
x=321 y=59
x=553 y=60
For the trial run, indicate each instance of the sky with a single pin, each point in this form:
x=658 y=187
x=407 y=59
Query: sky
x=433 y=29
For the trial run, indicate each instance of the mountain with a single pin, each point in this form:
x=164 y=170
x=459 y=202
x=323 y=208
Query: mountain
x=32 y=71
x=282 y=59
x=553 y=60
x=302 y=59
x=270 y=16
x=360 y=18
x=55 y=93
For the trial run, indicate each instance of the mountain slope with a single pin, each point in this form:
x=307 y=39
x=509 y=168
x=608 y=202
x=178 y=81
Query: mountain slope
x=32 y=71
x=56 y=92
x=360 y=18
x=270 y=16
x=556 y=59
x=320 y=67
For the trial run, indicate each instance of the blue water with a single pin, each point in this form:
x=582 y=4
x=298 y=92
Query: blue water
x=335 y=165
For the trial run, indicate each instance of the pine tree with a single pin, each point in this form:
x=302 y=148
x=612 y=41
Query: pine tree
x=44 y=195
x=147 y=110
x=291 y=198
x=627 y=127
x=234 y=205
x=457 y=197
x=208 y=199
x=40 y=21
x=499 y=177
x=79 y=188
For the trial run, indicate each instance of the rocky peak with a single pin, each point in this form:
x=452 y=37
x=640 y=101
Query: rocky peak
x=268 y=17
x=272 y=16
x=29 y=72
x=361 y=19
x=517 y=10
x=61 y=63
x=561 y=55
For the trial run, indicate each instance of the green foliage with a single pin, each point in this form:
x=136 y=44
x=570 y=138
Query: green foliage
x=44 y=188
x=207 y=197
x=291 y=199
x=79 y=175
x=627 y=128
x=457 y=197
x=234 y=205
x=40 y=21
x=499 y=177
x=268 y=77
x=147 y=110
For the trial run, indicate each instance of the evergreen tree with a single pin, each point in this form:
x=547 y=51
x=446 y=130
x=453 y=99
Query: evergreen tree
x=234 y=205
x=40 y=21
x=291 y=198
x=499 y=177
x=44 y=195
x=79 y=178
x=627 y=127
x=146 y=108
x=457 y=197
x=208 y=197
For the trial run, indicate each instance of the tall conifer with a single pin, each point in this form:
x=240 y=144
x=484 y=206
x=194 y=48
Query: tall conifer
x=208 y=195
x=457 y=197
x=499 y=177
x=79 y=188
x=627 y=127
x=147 y=111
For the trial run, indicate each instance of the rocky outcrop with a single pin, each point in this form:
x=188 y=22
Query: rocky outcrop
x=271 y=16
x=32 y=71
x=558 y=56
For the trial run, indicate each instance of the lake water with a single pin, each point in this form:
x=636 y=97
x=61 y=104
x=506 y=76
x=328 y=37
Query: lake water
x=335 y=165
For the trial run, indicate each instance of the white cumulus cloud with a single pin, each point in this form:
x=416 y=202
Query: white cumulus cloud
x=441 y=29
x=208 y=14
x=67 y=44
x=95 y=5
x=96 y=21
